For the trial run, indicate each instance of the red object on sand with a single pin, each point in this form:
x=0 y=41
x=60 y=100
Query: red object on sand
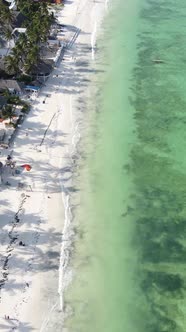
x=27 y=167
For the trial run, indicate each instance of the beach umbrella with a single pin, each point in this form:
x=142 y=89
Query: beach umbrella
x=27 y=167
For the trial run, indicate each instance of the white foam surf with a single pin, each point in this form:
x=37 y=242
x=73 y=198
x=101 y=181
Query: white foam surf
x=65 y=276
x=93 y=40
x=65 y=246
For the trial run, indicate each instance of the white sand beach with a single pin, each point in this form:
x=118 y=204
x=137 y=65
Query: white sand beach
x=35 y=207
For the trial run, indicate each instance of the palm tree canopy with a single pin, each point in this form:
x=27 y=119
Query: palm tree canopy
x=25 y=53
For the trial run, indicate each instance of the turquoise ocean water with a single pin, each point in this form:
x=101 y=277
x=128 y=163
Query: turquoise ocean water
x=130 y=249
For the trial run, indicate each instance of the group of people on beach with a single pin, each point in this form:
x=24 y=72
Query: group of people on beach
x=7 y=317
x=11 y=164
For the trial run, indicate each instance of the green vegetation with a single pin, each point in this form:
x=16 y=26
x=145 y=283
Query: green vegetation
x=9 y=110
x=37 y=21
x=25 y=108
x=24 y=78
x=6 y=16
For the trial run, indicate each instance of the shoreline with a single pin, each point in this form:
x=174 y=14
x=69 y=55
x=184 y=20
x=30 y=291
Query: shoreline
x=101 y=257
x=30 y=295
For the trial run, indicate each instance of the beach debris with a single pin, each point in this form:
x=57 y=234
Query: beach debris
x=27 y=167
x=4 y=145
x=12 y=164
x=21 y=243
x=21 y=185
x=17 y=218
x=30 y=187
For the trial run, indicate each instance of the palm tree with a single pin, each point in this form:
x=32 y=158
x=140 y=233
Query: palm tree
x=6 y=93
x=8 y=112
x=23 y=4
x=33 y=36
x=25 y=54
x=27 y=66
x=23 y=39
x=16 y=54
x=8 y=35
x=11 y=65
x=31 y=59
x=6 y=16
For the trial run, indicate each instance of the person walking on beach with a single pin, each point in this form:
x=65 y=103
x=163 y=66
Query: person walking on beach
x=30 y=187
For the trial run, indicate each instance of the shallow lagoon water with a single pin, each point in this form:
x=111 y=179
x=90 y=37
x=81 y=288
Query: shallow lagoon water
x=129 y=255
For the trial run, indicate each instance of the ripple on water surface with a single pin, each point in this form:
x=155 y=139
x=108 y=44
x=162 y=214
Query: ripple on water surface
x=129 y=256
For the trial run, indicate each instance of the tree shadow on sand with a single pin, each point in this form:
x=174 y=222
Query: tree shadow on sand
x=11 y=325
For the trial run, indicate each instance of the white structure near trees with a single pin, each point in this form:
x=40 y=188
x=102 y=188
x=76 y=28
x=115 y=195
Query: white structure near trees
x=12 y=5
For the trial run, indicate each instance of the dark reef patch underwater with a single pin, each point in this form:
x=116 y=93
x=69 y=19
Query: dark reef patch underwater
x=158 y=163
x=130 y=250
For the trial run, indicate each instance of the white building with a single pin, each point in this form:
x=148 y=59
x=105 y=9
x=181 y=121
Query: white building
x=12 y=5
